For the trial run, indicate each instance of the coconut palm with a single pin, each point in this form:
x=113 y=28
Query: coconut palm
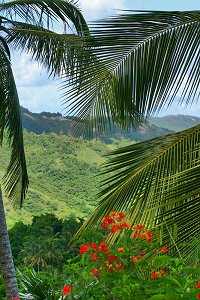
x=145 y=60
x=27 y=25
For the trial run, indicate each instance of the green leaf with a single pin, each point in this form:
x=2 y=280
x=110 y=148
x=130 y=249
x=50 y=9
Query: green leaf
x=57 y=53
x=45 y=13
x=16 y=178
x=145 y=59
x=156 y=182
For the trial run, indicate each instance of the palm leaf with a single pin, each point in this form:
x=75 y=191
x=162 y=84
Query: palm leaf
x=45 y=13
x=58 y=53
x=156 y=182
x=145 y=59
x=16 y=178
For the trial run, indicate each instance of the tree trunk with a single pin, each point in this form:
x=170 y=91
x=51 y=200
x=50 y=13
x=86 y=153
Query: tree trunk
x=6 y=261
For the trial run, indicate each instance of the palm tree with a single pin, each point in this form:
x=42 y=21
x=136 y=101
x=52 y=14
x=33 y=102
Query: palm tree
x=27 y=25
x=144 y=60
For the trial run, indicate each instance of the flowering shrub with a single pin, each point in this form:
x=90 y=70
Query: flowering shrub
x=127 y=267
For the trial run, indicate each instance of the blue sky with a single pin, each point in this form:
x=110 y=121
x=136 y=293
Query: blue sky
x=38 y=93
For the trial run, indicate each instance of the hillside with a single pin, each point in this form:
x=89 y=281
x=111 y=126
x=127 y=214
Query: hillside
x=63 y=175
x=55 y=122
x=157 y=126
x=63 y=169
x=176 y=122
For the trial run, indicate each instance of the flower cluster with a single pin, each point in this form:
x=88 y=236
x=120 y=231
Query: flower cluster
x=114 y=222
x=94 y=247
x=101 y=253
x=158 y=274
x=140 y=233
x=106 y=265
x=15 y=298
x=108 y=260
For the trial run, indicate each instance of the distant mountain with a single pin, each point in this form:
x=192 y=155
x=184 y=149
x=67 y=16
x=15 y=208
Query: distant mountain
x=47 y=122
x=175 y=122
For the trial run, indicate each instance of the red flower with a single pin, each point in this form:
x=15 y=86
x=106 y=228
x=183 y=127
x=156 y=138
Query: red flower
x=153 y=275
x=134 y=259
x=115 y=228
x=149 y=236
x=112 y=257
x=105 y=226
x=94 y=271
x=83 y=248
x=121 y=215
x=108 y=219
x=93 y=246
x=198 y=296
x=164 y=249
x=113 y=214
x=134 y=227
x=103 y=247
x=67 y=289
x=94 y=257
x=140 y=227
x=198 y=285
x=15 y=298
x=158 y=274
x=136 y=235
x=119 y=266
x=124 y=225
x=149 y=240
x=121 y=250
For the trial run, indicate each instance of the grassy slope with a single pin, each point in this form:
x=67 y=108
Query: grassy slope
x=62 y=172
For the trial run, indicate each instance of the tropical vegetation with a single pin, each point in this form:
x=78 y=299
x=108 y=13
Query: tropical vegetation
x=130 y=67
x=92 y=268
x=145 y=60
x=27 y=25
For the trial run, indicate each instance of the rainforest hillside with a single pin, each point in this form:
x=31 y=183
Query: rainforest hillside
x=63 y=175
x=63 y=169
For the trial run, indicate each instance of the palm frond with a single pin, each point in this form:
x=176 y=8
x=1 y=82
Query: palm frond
x=58 y=53
x=16 y=178
x=145 y=59
x=156 y=182
x=45 y=13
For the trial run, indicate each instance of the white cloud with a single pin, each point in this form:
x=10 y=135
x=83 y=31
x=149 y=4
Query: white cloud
x=95 y=9
x=44 y=98
x=36 y=91
x=28 y=73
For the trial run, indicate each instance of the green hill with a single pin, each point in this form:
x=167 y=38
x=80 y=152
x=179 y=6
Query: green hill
x=63 y=169
x=54 y=122
x=63 y=175
x=176 y=122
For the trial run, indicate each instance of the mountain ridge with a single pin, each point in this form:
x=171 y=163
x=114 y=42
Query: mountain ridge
x=156 y=126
